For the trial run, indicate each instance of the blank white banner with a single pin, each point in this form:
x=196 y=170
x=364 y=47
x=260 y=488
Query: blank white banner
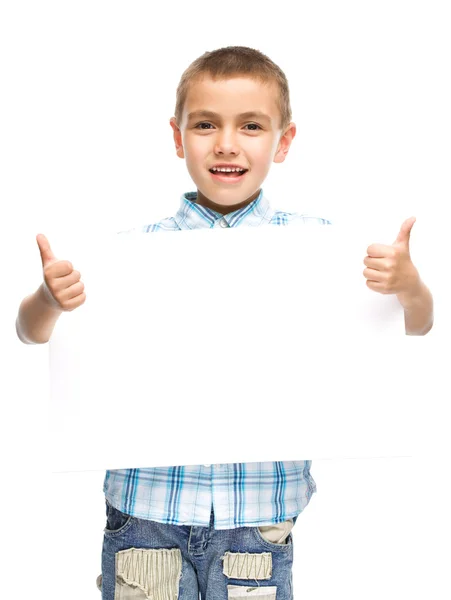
x=241 y=345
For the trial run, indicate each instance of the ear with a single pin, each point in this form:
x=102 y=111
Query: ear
x=177 y=138
x=285 y=143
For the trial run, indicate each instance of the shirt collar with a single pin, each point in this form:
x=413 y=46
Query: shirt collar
x=194 y=216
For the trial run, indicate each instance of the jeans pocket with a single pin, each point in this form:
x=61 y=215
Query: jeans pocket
x=117 y=522
x=278 y=533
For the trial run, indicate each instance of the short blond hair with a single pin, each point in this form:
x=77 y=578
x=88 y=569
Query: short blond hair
x=235 y=61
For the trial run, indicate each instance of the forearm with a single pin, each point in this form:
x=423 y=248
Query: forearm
x=37 y=318
x=418 y=310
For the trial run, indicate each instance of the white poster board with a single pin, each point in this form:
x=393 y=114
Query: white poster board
x=236 y=345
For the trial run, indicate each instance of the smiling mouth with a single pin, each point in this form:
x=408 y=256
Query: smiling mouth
x=231 y=174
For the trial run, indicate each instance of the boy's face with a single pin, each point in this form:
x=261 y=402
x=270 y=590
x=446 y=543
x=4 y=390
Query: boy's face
x=252 y=142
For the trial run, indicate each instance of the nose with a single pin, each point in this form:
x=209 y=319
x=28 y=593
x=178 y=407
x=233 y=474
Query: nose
x=226 y=142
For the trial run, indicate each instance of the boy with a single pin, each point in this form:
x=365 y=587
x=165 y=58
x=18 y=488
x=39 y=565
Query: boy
x=221 y=531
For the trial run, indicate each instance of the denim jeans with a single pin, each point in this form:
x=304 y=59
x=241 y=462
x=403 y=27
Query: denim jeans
x=146 y=560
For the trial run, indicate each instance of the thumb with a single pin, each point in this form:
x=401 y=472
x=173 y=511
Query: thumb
x=404 y=232
x=47 y=255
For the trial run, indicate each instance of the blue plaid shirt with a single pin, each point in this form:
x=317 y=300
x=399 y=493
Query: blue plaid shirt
x=241 y=494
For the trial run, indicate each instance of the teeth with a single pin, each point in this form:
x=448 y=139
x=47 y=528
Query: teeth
x=224 y=170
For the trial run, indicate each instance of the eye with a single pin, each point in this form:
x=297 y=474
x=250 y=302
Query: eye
x=199 y=126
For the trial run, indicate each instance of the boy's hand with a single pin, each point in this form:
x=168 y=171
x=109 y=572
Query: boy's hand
x=62 y=286
x=390 y=269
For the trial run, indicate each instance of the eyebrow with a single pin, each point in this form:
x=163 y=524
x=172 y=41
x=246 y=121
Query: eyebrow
x=252 y=114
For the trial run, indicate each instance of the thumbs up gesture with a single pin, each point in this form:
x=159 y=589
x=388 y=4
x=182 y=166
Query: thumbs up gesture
x=390 y=269
x=62 y=286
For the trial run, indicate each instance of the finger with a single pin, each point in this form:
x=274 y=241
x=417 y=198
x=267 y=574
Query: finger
x=377 y=287
x=404 y=232
x=373 y=275
x=75 y=302
x=72 y=292
x=380 y=251
x=380 y=264
x=67 y=298
x=60 y=268
x=60 y=283
x=47 y=256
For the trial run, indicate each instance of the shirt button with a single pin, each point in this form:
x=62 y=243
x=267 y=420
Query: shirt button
x=223 y=223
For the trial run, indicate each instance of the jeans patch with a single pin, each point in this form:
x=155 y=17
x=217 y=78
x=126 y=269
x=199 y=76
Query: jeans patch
x=148 y=574
x=238 y=565
x=244 y=591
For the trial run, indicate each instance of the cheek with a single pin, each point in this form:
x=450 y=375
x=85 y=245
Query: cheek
x=259 y=154
x=197 y=153
x=264 y=163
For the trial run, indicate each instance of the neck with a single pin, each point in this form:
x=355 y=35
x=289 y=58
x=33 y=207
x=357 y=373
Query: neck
x=221 y=208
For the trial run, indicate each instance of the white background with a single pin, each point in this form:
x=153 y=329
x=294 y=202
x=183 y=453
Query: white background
x=87 y=92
